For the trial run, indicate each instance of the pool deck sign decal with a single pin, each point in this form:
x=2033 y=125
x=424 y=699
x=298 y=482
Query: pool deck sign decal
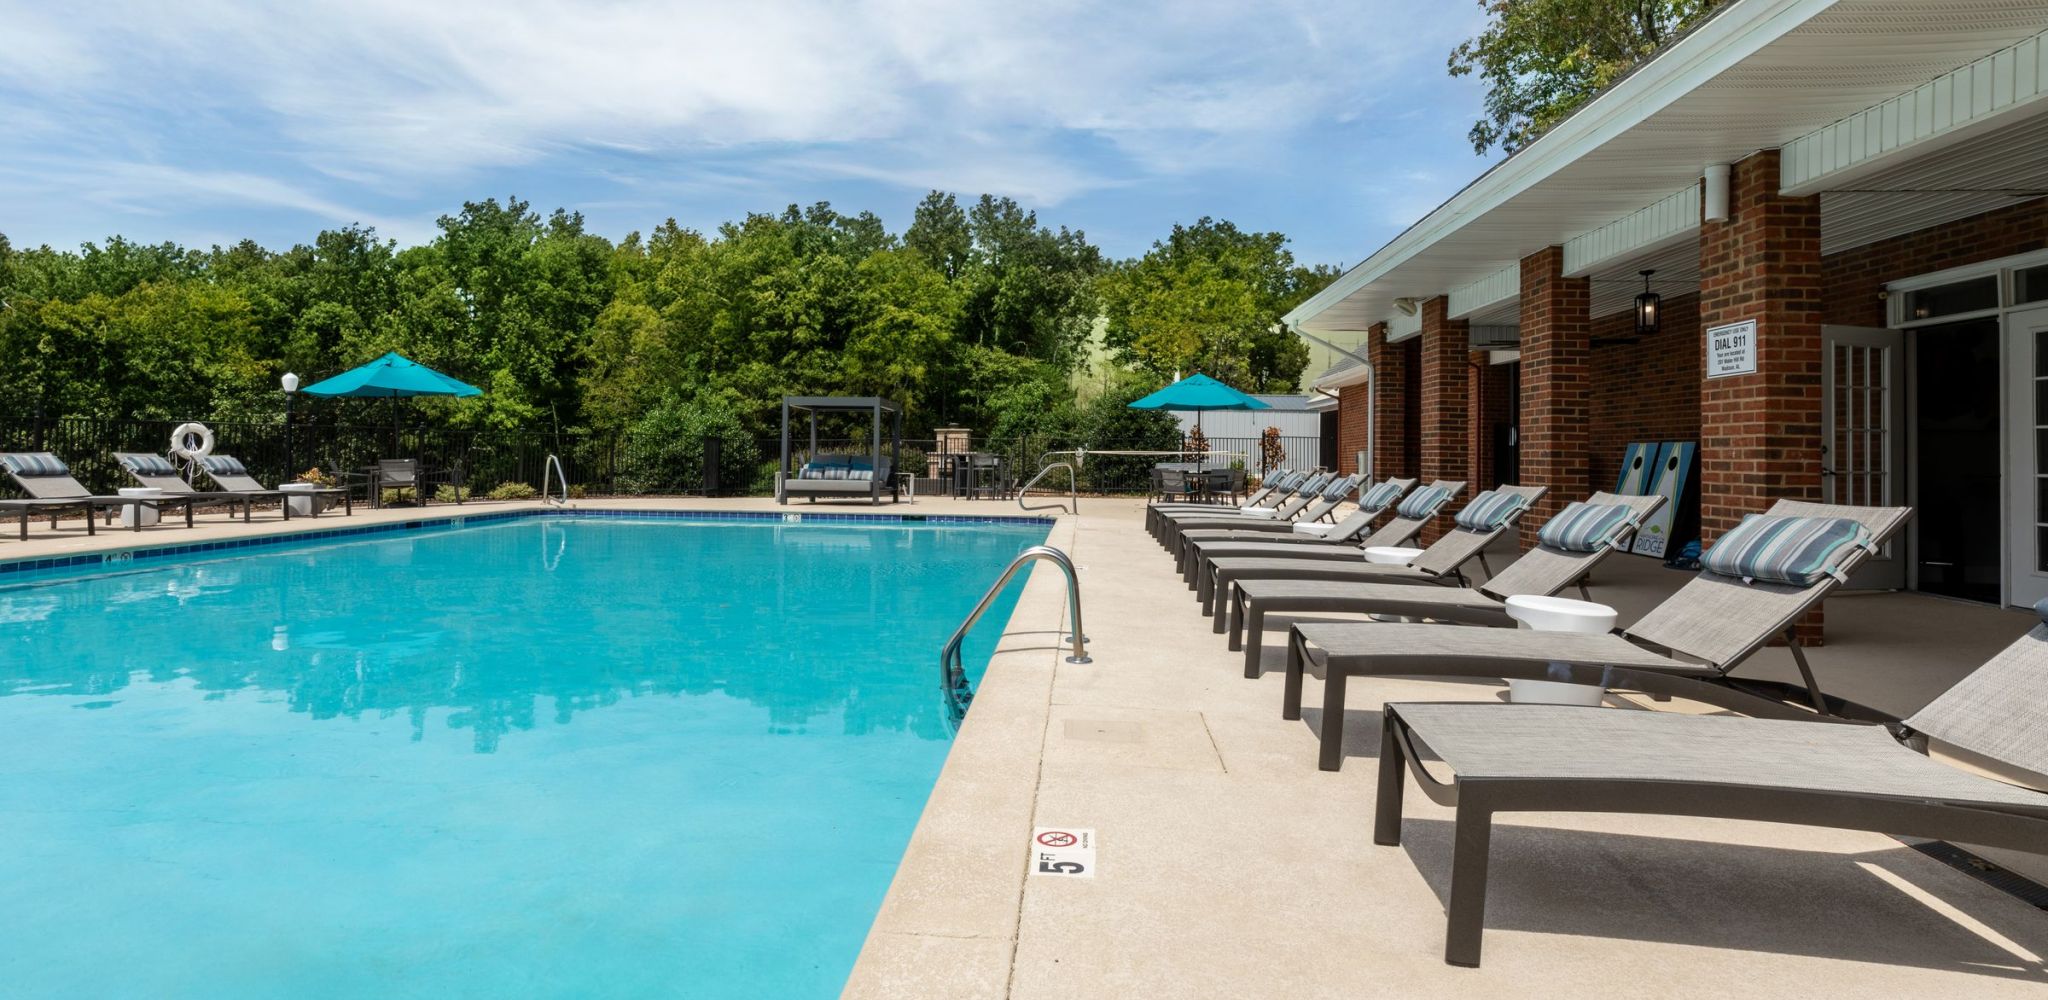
x=1731 y=349
x=1066 y=851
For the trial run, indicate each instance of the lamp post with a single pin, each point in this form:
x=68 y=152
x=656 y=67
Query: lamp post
x=290 y=382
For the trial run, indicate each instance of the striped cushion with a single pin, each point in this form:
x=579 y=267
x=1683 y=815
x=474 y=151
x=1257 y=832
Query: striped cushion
x=1798 y=551
x=222 y=465
x=149 y=465
x=1380 y=496
x=1584 y=527
x=1424 y=502
x=1489 y=510
x=1315 y=484
x=1338 y=489
x=35 y=463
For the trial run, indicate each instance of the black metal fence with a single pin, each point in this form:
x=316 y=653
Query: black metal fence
x=598 y=464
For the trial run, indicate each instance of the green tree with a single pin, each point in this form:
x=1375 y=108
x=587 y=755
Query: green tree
x=1542 y=59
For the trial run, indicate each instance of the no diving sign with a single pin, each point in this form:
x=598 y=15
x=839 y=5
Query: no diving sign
x=1068 y=851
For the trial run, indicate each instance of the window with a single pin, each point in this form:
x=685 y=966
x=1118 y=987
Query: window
x=2030 y=285
x=1953 y=299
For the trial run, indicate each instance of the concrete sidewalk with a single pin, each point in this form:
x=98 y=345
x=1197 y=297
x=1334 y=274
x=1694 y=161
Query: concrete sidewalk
x=1229 y=866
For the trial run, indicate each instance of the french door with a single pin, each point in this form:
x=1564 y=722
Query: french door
x=2026 y=502
x=1862 y=434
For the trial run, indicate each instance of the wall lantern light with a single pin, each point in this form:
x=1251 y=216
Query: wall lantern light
x=1649 y=309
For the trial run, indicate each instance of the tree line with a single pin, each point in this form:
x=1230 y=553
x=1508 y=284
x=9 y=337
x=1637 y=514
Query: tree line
x=976 y=314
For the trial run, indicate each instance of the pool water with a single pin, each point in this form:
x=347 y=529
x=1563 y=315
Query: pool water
x=544 y=757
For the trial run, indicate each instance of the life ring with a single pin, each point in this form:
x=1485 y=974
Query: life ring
x=192 y=441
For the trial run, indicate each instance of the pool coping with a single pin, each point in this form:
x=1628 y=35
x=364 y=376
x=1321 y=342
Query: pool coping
x=271 y=537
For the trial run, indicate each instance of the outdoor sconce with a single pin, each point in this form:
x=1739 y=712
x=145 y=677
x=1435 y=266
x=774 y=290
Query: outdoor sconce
x=1648 y=308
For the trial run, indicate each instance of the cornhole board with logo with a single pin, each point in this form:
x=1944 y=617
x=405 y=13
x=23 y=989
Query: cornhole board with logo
x=1662 y=468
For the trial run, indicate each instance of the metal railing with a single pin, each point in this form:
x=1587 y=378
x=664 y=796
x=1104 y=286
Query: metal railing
x=952 y=665
x=1073 y=490
x=553 y=471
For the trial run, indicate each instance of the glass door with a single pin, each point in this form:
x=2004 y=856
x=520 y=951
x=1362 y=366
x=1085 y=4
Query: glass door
x=1861 y=447
x=2026 y=398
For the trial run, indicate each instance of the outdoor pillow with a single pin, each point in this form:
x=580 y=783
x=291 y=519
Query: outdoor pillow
x=1423 y=502
x=1797 y=551
x=222 y=465
x=1584 y=527
x=1337 y=490
x=1380 y=496
x=1490 y=510
x=149 y=465
x=35 y=463
x=1321 y=480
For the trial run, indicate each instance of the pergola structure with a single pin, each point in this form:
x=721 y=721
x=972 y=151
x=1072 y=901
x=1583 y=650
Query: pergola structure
x=819 y=482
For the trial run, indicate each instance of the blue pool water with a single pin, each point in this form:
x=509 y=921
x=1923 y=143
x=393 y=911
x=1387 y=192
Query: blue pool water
x=542 y=757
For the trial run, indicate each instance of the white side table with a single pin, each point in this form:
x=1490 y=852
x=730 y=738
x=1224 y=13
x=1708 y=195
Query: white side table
x=143 y=515
x=1391 y=555
x=302 y=506
x=1558 y=614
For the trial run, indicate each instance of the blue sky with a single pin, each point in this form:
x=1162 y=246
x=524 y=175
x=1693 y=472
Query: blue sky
x=203 y=122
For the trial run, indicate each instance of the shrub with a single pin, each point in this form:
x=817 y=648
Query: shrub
x=320 y=479
x=448 y=493
x=665 y=449
x=513 y=491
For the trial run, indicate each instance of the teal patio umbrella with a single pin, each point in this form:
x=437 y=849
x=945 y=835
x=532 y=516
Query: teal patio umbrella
x=391 y=377
x=1198 y=393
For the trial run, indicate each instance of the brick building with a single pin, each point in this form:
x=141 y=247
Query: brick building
x=1851 y=196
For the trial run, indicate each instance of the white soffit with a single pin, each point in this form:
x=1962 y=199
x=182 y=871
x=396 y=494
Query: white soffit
x=1401 y=326
x=1670 y=219
x=1947 y=109
x=1999 y=168
x=1757 y=76
x=1504 y=285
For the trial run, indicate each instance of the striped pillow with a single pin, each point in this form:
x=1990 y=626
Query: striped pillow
x=1339 y=489
x=1315 y=484
x=1584 y=527
x=1380 y=496
x=35 y=463
x=149 y=465
x=222 y=465
x=1489 y=510
x=1424 y=502
x=1798 y=551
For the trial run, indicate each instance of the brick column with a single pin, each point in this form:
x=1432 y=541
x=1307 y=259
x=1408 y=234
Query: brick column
x=1390 y=426
x=1556 y=324
x=1760 y=432
x=1446 y=413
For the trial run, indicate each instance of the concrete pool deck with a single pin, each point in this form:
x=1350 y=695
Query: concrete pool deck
x=1230 y=866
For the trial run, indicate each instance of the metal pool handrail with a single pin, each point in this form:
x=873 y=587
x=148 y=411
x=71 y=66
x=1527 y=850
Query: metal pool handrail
x=953 y=668
x=1073 y=489
x=554 y=469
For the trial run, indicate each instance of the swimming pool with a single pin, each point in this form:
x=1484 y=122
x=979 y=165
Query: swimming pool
x=543 y=756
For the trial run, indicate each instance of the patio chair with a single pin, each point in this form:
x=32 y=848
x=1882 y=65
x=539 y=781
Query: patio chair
x=1487 y=517
x=53 y=490
x=229 y=473
x=1372 y=503
x=1847 y=776
x=1304 y=507
x=401 y=474
x=1279 y=486
x=1166 y=520
x=1685 y=646
x=157 y=472
x=1573 y=542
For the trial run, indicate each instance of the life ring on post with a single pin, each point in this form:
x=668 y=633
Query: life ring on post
x=192 y=441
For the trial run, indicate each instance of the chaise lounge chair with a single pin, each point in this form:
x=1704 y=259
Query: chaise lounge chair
x=157 y=472
x=1571 y=544
x=1309 y=506
x=1333 y=537
x=229 y=473
x=1276 y=492
x=1752 y=590
x=1540 y=758
x=52 y=490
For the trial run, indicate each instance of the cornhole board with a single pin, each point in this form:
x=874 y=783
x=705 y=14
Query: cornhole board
x=1668 y=473
x=1636 y=462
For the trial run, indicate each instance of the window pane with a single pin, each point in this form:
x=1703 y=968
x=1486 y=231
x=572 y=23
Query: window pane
x=1948 y=300
x=2041 y=549
x=2030 y=285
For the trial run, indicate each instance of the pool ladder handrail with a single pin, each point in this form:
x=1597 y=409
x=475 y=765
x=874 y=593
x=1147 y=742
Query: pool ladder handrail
x=553 y=469
x=952 y=666
x=1073 y=489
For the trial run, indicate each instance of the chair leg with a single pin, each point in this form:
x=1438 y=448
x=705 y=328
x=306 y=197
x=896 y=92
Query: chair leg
x=1297 y=663
x=1820 y=703
x=1386 y=817
x=1331 y=755
x=1469 y=855
x=1253 y=639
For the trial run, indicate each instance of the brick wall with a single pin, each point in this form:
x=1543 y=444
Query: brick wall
x=1854 y=278
x=1645 y=391
x=1556 y=413
x=1444 y=408
x=1351 y=426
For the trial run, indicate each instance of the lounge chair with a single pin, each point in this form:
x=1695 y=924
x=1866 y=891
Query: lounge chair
x=1276 y=491
x=1372 y=503
x=1572 y=543
x=157 y=472
x=1307 y=506
x=1540 y=758
x=52 y=490
x=228 y=473
x=1487 y=517
x=845 y=477
x=1686 y=645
